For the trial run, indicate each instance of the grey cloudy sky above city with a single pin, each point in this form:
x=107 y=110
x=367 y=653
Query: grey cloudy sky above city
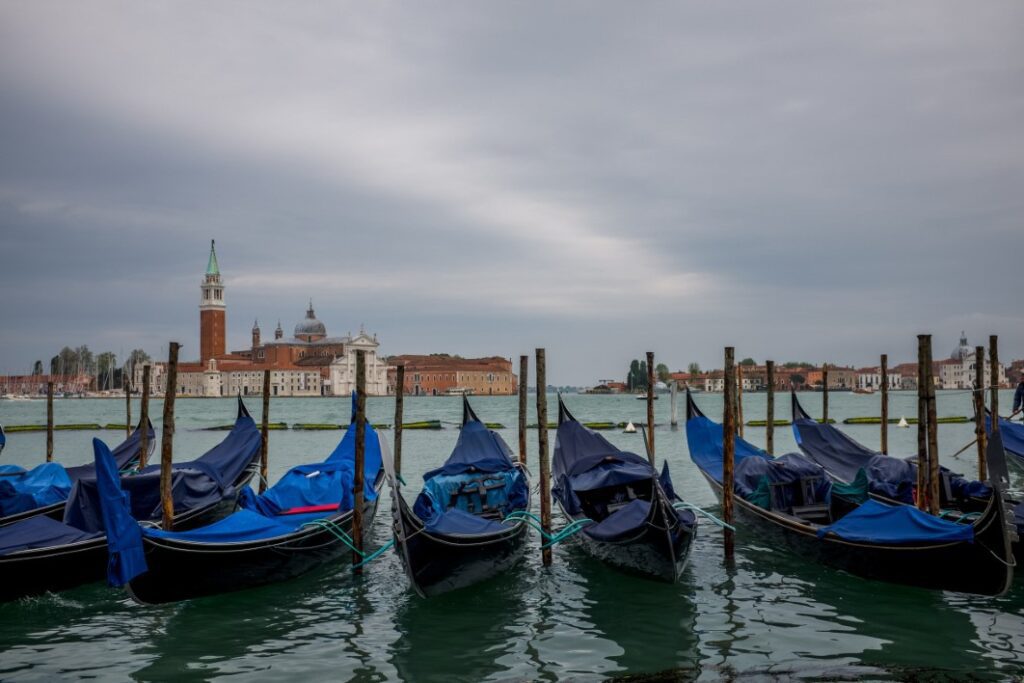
x=812 y=181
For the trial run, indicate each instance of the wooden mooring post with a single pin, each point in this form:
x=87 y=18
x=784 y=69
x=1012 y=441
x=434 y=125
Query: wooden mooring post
x=545 y=465
x=144 y=419
x=979 y=410
x=933 y=433
x=728 y=448
x=357 y=479
x=127 y=406
x=49 y=422
x=650 y=407
x=922 y=427
x=824 y=393
x=399 y=415
x=885 y=403
x=673 y=404
x=167 y=441
x=265 y=431
x=769 y=425
x=739 y=401
x=993 y=368
x=524 y=367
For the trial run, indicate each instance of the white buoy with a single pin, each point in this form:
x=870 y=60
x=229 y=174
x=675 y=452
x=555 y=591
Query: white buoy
x=630 y=429
x=903 y=422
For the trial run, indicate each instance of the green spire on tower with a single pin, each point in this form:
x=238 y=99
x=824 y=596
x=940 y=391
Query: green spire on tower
x=212 y=268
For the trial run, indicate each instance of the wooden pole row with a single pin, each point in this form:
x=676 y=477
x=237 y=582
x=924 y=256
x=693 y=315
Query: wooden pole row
x=144 y=419
x=979 y=410
x=524 y=364
x=49 y=422
x=993 y=365
x=399 y=410
x=824 y=393
x=728 y=448
x=739 y=401
x=265 y=433
x=545 y=465
x=167 y=442
x=922 y=426
x=357 y=479
x=127 y=407
x=885 y=403
x=650 y=407
x=933 y=434
x=769 y=434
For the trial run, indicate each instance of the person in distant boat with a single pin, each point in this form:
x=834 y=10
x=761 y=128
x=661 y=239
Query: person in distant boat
x=1018 y=396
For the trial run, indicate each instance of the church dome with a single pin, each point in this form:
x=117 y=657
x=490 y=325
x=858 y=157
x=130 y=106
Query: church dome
x=310 y=326
x=963 y=350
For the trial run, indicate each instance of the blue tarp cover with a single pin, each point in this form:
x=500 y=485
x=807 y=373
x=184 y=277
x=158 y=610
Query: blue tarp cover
x=785 y=469
x=1013 y=436
x=478 y=450
x=875 y=522
x=43 y=485
x=456 y=522
x=704 y=438
x=39 y=532
x=126 y=558
x=620 y=523
x=240 y=526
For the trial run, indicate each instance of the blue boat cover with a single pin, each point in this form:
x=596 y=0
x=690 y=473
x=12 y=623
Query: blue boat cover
x=458 y=522
x=704 y=438
x=126 y=558
x=1013 y=435
x=752 y=474
x=875 y=522
x=50 y=483
x=43 y=485
x=3 y=438
x=620 y=523
x=478 y=449
x=313 y=485
x=40 y=532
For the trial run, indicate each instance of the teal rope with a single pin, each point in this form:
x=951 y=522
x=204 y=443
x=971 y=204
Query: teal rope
x=568 y=531
x=335 y=530
x=374 y=555
x=694 y=508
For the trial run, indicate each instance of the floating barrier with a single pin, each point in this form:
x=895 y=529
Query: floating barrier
x=228 y=428
x=952 y=419
x=10 y=429
x=777 y=423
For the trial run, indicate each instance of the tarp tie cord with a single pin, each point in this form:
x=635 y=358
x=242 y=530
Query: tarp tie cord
x=400 y=480
x=338 y=532
x=694 y=508
x=556 y=537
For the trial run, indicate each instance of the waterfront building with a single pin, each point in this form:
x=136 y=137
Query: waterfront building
x=958 y=371
x=441 y=374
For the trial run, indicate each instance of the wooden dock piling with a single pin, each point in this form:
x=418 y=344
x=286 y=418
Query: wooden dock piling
x=144 y=419
x=357 y=479
x=728 y=448
x=674 y=396
x=650 y=406
x=885 y=403
x=49 y=422
x=979 y=410
x=993 y=367
x=769 y=426
x=127 y=407
x=739 y=401
x=824 y=393
x=933 y=433
x=265 y=431
x=922 y=427
x=399 y=415
x=524 y=367
x=545 y=465
x=167 y=441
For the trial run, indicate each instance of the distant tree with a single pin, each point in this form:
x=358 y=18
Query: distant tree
x=662 y=372
x=37 y=368
x=747 y=362
x=797 y=379
x=106 y=363
x=636 y=379
x=796 y=364
x=86 y=362
x=693 y=368
x=136 y=358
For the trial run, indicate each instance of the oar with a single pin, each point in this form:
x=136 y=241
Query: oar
x=975 y=440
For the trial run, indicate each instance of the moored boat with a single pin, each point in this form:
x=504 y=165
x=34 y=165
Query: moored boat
x=792 y=498
x=468 y=522
x=625 y=507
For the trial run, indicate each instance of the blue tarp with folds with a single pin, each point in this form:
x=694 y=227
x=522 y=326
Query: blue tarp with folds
x=621 y=522
x=457 y=522
x=790 y=468
x=43 y=485
x=126 y=559
x=705 y=441
x=1013 y=436
x=40 y=532
x=478 y=450
x=875 y=522
x=318 y=484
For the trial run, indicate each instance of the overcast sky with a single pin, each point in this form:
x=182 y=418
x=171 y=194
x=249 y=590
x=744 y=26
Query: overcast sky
x=816 y=181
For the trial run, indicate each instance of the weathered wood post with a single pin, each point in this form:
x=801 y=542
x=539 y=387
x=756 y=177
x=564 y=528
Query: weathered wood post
x=524 y=368
x=885 y=403
x=922 y=426
x=265 y=431
x=49 y=422
x=824 y=393
x=739 y=401
x=144 y=419
x=545 y=466
x=933 y=433
x=993 y=371
x=769 y=426
x=127 y=407
x=167 y=442
x=357 y=480
x=674 y=388
x=728 y=447
x=650 y=406
x=979 y=410
x=399 y=415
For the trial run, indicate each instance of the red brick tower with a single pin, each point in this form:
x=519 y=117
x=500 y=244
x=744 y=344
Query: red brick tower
x=211 y=311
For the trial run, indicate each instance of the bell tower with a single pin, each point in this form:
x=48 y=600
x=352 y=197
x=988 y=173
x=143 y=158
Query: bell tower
x=211 y=311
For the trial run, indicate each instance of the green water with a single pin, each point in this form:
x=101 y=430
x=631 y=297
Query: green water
x=771 y=616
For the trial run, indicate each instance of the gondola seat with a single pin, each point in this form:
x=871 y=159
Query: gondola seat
x=491 y=496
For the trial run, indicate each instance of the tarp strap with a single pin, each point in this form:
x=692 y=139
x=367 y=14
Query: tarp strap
x=568 y=531
x=565 y=532
x=694 y=508
x=338 y=532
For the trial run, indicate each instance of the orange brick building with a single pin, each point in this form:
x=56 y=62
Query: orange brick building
x=441 y=374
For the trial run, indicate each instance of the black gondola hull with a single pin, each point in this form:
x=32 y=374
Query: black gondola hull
x=438 y=564
x=977 y=567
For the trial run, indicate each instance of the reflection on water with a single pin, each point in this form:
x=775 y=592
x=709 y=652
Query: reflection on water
x=772 y=614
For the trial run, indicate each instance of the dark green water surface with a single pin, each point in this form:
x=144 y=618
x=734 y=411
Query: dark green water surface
x=770 y=616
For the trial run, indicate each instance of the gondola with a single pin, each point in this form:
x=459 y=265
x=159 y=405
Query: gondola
x=1013 y=437
x=3 y=438
x=44 y=489
x=633 y=525
x=288 y=530
x=792 y=499
x=42 y=554
x=889 y=479
x=461 y=529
